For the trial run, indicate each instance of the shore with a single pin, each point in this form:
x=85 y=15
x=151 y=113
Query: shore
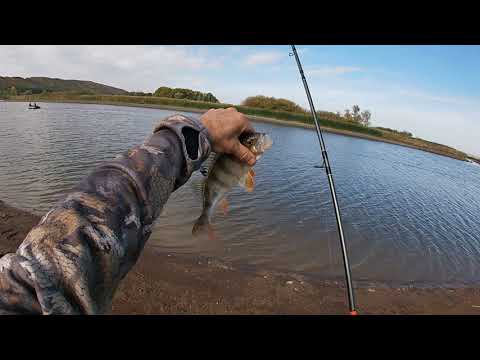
x=258 y=119
x=164 y=283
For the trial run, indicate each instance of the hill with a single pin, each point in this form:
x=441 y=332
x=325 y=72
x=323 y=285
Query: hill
x=37 y=85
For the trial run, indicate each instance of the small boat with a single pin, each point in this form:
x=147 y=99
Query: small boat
x=33 y=107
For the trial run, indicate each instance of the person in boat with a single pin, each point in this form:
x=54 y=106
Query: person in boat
x=73 y=260
x=29 y=104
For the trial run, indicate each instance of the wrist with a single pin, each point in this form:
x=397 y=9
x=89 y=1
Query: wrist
x=195 y=139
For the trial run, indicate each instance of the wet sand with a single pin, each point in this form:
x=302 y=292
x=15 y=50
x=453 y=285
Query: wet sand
x=162 y=283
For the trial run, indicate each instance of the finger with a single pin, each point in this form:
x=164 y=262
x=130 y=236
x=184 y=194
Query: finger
x=248 y=127
x=243 y=154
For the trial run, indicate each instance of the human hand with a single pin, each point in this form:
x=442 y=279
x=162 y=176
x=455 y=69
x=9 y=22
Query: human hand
x=225 y=126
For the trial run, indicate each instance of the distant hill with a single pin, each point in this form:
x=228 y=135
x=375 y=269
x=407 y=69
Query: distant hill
x=37 y=85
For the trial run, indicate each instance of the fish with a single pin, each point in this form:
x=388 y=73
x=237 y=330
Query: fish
x=223 y=172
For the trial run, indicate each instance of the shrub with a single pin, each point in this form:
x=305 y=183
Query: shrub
x=178 y=93
x=271 y=103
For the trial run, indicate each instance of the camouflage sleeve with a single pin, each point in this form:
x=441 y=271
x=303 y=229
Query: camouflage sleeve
x=73 y=260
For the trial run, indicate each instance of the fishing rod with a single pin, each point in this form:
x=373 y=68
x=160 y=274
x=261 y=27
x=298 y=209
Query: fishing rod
x=328 y=170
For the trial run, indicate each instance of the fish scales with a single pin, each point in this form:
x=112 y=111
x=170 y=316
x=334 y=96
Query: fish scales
x=226 y=172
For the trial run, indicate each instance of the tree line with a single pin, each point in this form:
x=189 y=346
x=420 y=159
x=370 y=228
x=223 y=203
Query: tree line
x=355 y=115
x=179 y=93
x=271 y=103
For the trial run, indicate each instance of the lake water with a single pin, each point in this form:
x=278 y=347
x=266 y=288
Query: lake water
x=409 y=216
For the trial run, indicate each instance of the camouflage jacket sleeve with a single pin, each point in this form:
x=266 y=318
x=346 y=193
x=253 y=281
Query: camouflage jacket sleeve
x=73 y=260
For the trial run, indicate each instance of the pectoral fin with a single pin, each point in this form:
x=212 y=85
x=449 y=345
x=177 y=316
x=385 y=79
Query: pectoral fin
x=202 y=224
x=247 y=181
x=224 y=206
x=211 y=232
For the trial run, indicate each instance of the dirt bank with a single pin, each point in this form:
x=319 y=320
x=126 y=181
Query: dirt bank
x=162 y=283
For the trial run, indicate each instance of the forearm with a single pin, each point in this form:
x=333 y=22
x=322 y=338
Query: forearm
x=73 y=260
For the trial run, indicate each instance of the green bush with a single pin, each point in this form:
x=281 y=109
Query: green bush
x=271 y=103
x=156 y=100
x=178 y=93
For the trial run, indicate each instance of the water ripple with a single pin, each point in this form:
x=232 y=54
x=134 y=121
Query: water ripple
x=408 y=215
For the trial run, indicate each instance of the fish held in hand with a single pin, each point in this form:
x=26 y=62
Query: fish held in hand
x=222 y=174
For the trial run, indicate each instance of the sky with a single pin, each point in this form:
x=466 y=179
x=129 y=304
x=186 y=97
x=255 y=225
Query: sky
x=431 y=91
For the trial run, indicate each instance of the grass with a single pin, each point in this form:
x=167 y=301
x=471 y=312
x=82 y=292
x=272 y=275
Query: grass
x=154 y=100
x=381 y=134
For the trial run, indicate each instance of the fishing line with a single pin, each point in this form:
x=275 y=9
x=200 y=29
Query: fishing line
x=328 y=170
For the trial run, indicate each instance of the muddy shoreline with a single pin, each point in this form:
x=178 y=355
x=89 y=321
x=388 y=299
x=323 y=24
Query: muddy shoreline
x=164 y=283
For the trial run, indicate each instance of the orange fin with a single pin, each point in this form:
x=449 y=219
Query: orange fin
x=224 y=206
x=201 y=225
x=251 y=172
x=249 y=182
x=211 y=232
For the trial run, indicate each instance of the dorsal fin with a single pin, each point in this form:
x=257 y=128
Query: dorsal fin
x=198 y=182
x=208 y=164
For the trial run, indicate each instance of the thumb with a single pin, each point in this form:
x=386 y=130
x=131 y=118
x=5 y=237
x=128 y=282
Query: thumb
x=244 y=154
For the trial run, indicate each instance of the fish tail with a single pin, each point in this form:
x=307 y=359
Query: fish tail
x=203 y=224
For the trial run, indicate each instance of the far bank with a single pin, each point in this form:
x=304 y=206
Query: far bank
x=413 y=143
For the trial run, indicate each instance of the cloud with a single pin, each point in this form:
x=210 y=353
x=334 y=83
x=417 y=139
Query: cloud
x=453 y=122
x=435 y=98
x=231 y=75
x=331 y=70
x=264 y=58
x=125 y=66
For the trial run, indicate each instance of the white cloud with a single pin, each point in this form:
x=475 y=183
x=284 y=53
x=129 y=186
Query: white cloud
x=453 y=122
x=264 y=58
x=429 y=97
x=125 y=66
x=331 y=70
x=224 y=71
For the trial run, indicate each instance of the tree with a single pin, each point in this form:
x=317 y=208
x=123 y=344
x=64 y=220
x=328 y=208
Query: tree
x=210 y=98
x=356 y=113
x=355 y=110
x=179 y=93
x=271 y=103
x=365 y=117
x=347 y=115
x=163 y=91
